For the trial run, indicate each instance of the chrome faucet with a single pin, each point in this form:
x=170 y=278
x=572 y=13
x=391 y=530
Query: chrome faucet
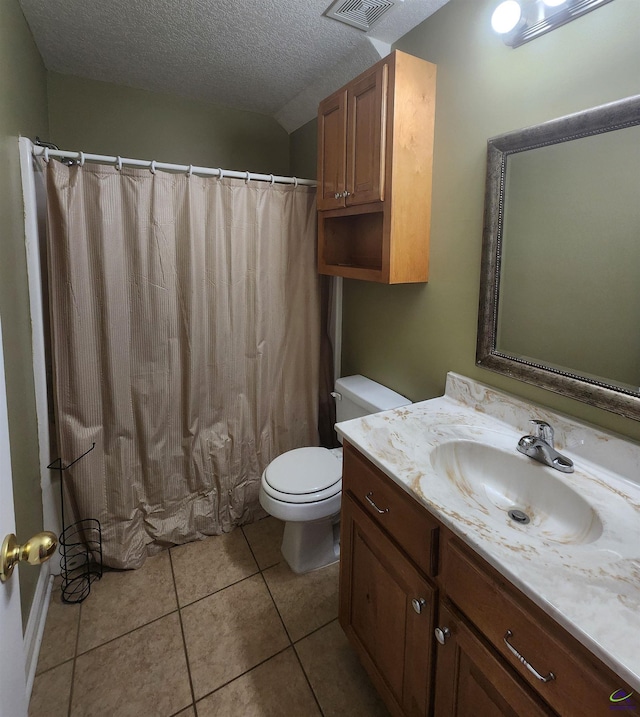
x=539 y=446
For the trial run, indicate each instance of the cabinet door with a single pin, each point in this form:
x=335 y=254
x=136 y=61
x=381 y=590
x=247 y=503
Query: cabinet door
x=378 y=585
x=367 y=112
x=332 y=137
x=471 y=679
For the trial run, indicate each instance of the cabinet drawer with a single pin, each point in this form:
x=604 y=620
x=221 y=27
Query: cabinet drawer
x=410 y=525
x=580 y=684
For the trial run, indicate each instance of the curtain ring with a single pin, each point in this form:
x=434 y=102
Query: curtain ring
x=82 y=159
x=119 y=163
x=295 y=181
x=46 y=154
x=190 y=172
x=273 y=180
x=248 y=179
x=220 y=173
x=152 y=166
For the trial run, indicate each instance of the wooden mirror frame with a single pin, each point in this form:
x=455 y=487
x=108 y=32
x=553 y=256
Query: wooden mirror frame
x=605 y=118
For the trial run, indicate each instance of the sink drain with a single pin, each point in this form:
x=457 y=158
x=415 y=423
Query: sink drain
x=519 y=516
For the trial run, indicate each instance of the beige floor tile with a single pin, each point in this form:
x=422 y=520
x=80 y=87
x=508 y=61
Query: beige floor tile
x=124 y=600
x=204 y=566
x=305 y=602
x=230 y=632
x=51 y=692
x=189 y=712
x=336 y=675
x=60 y=631
x=273 y=689
x=142 y=674
x=265 y=539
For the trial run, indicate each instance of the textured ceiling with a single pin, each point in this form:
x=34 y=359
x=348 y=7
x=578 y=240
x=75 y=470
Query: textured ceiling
x=270 y=56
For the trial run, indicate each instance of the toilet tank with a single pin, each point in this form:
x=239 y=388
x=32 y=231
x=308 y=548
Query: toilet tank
x=358 y=396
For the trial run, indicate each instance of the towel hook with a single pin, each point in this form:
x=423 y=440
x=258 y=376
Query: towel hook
x=119 y=163
x=152 y=166
x=82 y=159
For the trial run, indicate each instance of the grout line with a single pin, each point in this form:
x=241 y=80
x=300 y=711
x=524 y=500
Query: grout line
x=75 y=658
x=246 y=672
x=276 y=607
x=306 y=677
x=124 y=634
x=215 y=592
x=315 y=629
x=184 y=640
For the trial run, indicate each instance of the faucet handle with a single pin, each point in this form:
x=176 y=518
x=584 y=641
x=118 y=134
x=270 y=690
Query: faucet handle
x=541 y=429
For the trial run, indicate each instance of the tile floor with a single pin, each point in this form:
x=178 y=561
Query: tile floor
x=219 y=627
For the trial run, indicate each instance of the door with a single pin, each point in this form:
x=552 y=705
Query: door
x=386 y=609
x=366 y=145
x=13 y=702
x=332 y=137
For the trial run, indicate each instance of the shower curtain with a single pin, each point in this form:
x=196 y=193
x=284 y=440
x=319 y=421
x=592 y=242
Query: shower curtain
x=186 y=325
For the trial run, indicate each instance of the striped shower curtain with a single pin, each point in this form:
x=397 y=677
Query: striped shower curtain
x=185 y=318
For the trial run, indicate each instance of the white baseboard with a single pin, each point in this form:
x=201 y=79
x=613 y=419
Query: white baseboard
x=35 y=624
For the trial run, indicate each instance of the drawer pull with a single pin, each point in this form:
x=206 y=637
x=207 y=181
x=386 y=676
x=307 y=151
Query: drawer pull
x=529 y=667
x=370 y=501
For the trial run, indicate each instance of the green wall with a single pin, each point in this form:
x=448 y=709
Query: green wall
x=111 y=119
x=408 y=337
x=23 y=110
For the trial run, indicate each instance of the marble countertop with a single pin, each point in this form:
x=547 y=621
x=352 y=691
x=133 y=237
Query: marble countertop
x=591 y=588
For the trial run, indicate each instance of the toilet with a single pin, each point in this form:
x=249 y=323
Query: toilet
x=303 y=487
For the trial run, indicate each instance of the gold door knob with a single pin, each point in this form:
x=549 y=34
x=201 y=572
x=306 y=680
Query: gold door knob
x=35 y=551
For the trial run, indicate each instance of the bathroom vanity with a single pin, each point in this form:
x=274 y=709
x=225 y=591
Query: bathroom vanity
x=453 y=607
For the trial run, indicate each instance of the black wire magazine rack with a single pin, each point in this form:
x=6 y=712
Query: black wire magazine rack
x=80 y=546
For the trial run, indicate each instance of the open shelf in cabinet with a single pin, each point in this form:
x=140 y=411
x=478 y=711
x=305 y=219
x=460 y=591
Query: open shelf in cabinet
x=352 y=245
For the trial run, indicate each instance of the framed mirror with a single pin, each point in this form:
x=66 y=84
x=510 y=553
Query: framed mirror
x=560 y=282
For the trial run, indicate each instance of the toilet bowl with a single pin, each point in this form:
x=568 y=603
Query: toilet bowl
x=303 y=487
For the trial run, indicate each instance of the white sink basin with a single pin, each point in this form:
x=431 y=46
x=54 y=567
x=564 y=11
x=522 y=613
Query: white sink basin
x=495 y=482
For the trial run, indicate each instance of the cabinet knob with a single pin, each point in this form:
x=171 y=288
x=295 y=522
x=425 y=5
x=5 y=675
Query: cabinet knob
x=337 y=195
x=346 y=194
x=419 y=604
x=442 y=633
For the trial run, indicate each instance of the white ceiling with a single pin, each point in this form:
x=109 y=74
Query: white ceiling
x=270 y=56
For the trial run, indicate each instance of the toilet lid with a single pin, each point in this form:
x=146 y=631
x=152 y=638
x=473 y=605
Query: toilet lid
x=305 y=471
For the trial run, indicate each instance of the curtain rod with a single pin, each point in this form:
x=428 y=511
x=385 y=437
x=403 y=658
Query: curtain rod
x=152 y=165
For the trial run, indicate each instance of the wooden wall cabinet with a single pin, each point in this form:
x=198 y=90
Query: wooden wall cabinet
x=451 y=658
x=375 y=155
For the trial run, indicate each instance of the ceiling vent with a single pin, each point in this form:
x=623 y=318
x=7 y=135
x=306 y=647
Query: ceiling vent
x=363 y=14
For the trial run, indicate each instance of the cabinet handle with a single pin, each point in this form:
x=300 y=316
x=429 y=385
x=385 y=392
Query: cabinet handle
x=346 y=194
x=529 y=667
x=337 y=195
x=370 y=500
x=442 y=633
x=418 y=604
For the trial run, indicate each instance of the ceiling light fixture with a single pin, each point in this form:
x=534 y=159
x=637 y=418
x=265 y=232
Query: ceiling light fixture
x=524 y=20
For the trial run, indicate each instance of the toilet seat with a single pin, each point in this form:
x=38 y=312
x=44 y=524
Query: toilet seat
x=304 y=475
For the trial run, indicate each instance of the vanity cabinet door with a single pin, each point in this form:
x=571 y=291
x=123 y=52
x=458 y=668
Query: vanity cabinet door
x=386 y=610
x=471 y=680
